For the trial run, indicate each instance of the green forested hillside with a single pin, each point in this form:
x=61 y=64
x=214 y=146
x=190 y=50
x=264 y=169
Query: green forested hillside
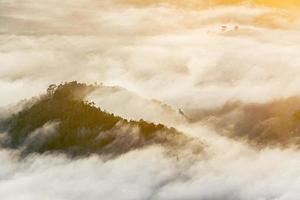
x=62 y=121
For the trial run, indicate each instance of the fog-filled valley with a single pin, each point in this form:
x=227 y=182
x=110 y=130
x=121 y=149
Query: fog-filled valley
x=149 y=99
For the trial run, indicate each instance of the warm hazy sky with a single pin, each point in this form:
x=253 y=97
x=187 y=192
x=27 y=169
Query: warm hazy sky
x=272 y=3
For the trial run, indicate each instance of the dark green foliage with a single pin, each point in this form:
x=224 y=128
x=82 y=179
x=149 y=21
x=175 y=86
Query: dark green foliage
x=83 y=128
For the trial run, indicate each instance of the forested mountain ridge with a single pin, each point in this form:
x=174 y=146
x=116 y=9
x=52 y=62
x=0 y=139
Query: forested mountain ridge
x=62 y=121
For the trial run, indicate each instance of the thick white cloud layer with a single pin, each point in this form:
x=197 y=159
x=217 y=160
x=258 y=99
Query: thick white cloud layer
x=178 y=56
x=237 y=173
x=157 y=52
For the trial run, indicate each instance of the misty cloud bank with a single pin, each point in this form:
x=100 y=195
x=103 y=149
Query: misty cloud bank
x=225 y=73
x=150 y=174
x=137 y=49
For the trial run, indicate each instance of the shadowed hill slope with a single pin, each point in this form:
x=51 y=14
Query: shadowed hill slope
x=275 y=123
x=62 y=121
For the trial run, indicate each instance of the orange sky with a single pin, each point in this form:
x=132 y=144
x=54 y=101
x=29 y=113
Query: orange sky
x=191 y=3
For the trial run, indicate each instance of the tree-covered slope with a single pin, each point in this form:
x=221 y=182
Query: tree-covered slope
x=62 y=121
x=270 y=124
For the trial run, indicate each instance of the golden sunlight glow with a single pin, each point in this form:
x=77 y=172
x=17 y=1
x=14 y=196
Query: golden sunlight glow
x=205 y=3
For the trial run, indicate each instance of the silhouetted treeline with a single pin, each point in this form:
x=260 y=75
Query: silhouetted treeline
x=80 y=127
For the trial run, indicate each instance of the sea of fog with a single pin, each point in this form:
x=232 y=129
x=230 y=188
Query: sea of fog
x=167 y=58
